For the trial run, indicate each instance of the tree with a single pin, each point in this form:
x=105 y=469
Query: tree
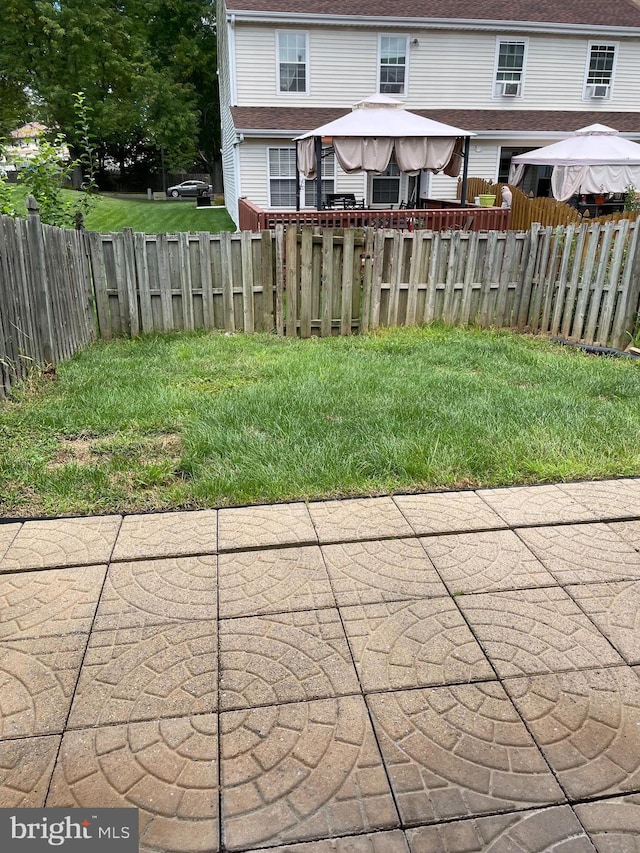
x=147 y=68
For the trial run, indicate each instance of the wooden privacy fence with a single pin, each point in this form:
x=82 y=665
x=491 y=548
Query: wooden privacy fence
x=46 y=298
x=580 y=282
x=546 y=211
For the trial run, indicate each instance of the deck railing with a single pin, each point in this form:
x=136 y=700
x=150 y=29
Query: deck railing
x=449 y=218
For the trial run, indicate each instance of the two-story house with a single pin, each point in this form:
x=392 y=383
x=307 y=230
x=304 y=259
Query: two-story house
x=517 y=74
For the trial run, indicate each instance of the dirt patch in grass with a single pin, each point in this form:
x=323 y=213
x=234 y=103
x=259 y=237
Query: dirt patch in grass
x=84 y=451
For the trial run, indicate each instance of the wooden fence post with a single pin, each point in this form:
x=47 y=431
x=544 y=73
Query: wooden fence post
x=40 y=284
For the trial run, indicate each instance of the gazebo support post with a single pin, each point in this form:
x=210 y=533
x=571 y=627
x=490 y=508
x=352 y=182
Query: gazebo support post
x=465 y=172
x=297 y=181
x=319 y=173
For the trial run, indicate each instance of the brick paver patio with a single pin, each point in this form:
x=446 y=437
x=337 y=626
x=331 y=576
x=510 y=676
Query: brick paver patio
x=437 y=673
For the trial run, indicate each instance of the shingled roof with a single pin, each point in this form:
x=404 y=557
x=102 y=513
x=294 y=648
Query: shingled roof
x=300 y=119
x=613 y=13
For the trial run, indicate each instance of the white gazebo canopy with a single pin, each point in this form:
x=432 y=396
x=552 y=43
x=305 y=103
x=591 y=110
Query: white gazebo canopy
x=374 y=130
x=595 y=159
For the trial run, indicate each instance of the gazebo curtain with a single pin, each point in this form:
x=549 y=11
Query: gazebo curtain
x=372 y=154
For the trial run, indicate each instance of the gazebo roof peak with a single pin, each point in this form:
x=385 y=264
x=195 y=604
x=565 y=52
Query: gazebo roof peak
x=378 y=102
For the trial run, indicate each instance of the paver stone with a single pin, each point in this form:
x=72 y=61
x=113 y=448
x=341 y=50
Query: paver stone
x=167 y=534
x=166 y=768
x=273 y=581
x=535 y=631
x=447 y=512
x=480 y=562
x=149 y=592
x=607 y=498
x=358 y=518
x=37 y=678
x=629 y=531
x=615 y=609
x=8 y=533
x=583 y=553
x=26 y=765
x=613 y=825
x=147 y=673
x=306 y=771
x=587 y=725
x=49 y=603
x=535 y=505
x=286 y=657
x=264 y=526
x=386 y=570
x=413 y=644
x=540 y=831
x=392 y=841
x=62 y=542
x=459 y=751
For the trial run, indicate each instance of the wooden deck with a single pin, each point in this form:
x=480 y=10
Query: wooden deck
x=442 y=216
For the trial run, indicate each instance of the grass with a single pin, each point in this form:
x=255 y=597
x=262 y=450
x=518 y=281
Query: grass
x=195 y=420
x=148 y=217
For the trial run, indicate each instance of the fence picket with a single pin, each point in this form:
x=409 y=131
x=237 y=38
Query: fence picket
x=608 y=305
x=327 y=282
x=306 y=281
x=432 y=279
x=248 y=316
x=347 y=282
x=572 y=294
x=596 y=296
x=280 y=279
x=292 y=282
x=561 y=292
x=627 y=308
x=585 y=282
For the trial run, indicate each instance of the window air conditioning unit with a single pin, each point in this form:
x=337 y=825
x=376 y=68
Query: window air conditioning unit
x=509 y=90
x=600 y=90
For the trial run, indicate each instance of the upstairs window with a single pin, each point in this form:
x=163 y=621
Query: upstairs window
x=600 y=64
x=509 y=69
x=293 y=62
x=393 y=65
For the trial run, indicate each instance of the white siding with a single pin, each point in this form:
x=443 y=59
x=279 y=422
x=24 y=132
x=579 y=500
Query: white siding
x=228 y=134
x=483 y=163
x=255 y=173
x=446 y=69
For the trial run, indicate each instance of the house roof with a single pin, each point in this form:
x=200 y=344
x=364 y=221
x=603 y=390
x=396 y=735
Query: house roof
x=28 y=131
x=614 y=13
x=298 y=120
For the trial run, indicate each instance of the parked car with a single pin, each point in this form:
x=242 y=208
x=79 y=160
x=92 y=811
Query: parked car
x=189 y=189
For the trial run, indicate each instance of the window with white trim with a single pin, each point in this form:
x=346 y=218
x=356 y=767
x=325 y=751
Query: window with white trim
x=385 y=187
x=328 y=181
x=282 y=177
x=600 y=64
x=392 y=71
x=509 y=69
x=293 y=62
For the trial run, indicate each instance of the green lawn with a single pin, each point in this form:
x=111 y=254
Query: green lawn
x=148 y=217
x=195 y=420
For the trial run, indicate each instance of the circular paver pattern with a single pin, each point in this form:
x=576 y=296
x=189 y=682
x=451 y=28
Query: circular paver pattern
x=553 y=830
x=147 y=673
x=480 y=562
x=41 y=604
x=535 y=630
x=413 y=644
x=167 y=534
x=587 y=725
x=37 y=678
x=613 y=825
x=615 y=609
x=273 y=581
x=583 y=553
x=62 y=542
x=459 y=751
x=26 y=766
x=152 y=592
x=166 y=768
x=387 y=570
x=287 y=657
x=298 y=772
